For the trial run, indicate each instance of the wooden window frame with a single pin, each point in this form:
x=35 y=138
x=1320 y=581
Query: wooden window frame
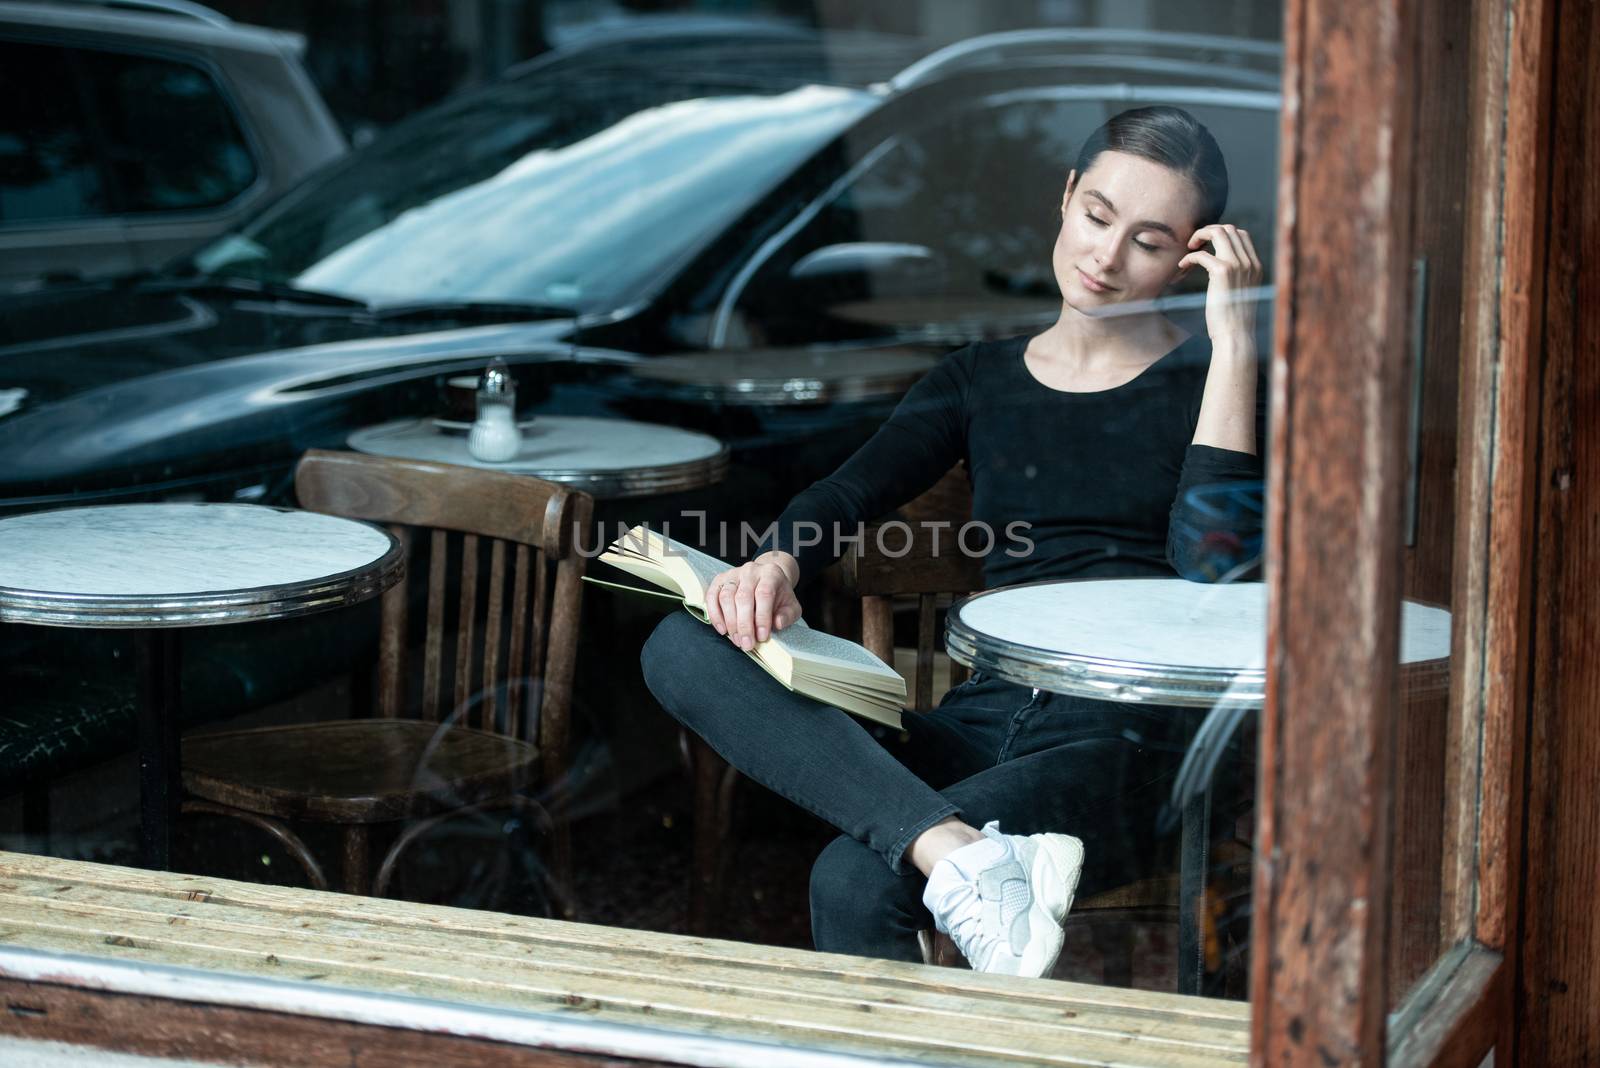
x=1340 y=374
x=1319 y=973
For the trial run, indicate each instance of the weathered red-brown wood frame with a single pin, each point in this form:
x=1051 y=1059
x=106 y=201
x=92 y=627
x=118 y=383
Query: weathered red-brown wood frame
x=1321 y=979
x=1339 y=377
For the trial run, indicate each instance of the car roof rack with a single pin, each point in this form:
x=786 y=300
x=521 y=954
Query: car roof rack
x=181 y=8
x=1050 y=44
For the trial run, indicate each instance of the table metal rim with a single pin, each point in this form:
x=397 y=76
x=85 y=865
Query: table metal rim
x=1048 y=655
x=797 y=390
x=281 y=601
x=1113 y=680
x=691 y=474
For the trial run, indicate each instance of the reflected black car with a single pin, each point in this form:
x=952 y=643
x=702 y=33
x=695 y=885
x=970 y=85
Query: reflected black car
x=575 y=219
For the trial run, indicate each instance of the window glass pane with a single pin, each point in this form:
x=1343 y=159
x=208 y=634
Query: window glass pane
x=170 y=139
x=775 y=265
x=1432 y=878
x=48 y=168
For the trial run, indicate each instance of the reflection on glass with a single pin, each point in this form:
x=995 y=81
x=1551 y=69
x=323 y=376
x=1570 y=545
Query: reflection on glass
x=47 y=166
x=1431 y=881
x=981 y=261
x=1056 y=347
x=589 y=214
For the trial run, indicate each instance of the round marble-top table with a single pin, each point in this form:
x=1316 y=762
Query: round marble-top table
x=606 y=458
x=1161 y=641
x=1157 y=641
x=154 y=568
x=947 y=318
x=790 y=376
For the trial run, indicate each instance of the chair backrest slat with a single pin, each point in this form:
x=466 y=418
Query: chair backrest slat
x=563 y=644
x=490 y=685
x=516 y=666
x=927 y=612
x=433 y=643
x=466 y=622
x=392 y=638
x=539 y=628
x=877 y=626
x=532 y=655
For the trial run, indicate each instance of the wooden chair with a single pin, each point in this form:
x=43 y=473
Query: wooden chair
x=467 y=735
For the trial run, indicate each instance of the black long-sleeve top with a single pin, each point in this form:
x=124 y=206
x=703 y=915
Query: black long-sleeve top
x=1102 y=480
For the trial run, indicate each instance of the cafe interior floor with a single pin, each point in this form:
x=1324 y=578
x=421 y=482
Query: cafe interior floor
x=633 y=846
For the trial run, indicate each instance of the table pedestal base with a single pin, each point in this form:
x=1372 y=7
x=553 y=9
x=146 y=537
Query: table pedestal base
x=1194 y=857
x=157 y=652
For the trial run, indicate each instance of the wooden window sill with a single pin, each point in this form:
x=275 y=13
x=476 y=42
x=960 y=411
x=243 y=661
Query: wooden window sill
x=422 y=970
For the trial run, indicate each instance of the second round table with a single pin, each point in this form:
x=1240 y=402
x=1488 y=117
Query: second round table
x=606 y=458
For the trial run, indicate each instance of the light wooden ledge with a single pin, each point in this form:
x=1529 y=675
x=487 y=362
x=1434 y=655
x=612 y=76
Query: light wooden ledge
x=601 y=991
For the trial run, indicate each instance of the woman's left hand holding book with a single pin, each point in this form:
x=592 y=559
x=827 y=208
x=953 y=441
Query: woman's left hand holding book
x=747 y=603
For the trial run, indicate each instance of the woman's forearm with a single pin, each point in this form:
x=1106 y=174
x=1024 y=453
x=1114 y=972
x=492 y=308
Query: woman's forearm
x=1228 y=405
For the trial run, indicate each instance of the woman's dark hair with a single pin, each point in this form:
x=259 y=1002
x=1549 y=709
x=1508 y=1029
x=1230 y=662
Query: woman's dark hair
x=1173 y=138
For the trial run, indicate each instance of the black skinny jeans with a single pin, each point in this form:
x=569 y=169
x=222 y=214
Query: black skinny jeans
x=992 y=750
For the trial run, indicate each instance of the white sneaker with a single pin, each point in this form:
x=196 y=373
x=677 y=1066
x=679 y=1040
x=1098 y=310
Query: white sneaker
x=1002 y=900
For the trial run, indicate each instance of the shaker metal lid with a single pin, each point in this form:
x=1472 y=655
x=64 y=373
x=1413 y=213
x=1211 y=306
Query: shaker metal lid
x=497 y=378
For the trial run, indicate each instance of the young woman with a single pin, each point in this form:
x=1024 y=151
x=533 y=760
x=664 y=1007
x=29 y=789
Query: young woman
x=1091 y=432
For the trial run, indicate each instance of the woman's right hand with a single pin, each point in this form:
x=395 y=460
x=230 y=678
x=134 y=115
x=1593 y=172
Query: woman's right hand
x=747 y=603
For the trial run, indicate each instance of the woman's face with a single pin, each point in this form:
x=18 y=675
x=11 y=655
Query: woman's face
x=1125 y=224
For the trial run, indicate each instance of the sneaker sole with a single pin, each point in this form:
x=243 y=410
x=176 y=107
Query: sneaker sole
x=1053 y=890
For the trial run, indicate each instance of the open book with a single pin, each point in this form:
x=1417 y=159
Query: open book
x=829 y=669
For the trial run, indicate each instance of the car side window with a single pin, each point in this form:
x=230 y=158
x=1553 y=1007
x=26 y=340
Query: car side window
x=171 y=141
x=917 y=246
x=48 y=167
x=920 y=230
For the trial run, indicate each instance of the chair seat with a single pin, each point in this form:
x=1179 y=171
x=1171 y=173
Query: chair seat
x=355 y=771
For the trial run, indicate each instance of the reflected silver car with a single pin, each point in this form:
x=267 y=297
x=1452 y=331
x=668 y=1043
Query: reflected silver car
x=131 y=134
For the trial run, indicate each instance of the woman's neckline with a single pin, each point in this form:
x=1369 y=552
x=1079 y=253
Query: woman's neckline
x=1022 y=361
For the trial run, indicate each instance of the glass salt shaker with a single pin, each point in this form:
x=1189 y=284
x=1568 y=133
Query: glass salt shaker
x=494 y=437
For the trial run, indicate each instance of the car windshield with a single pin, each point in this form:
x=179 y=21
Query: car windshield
x=580 y=194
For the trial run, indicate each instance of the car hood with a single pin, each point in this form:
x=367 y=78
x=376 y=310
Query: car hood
x=134 y=388
x=59 y=343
